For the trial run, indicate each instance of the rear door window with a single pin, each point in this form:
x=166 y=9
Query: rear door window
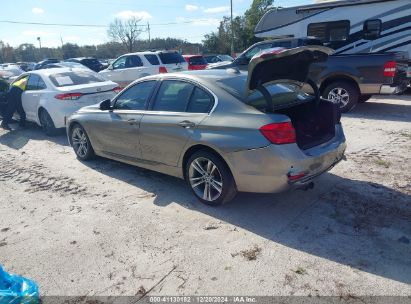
x=33 y=83
x=135 y=97
x=171 y=57
x=153 y=59
x=173 y=96
x=67 y=79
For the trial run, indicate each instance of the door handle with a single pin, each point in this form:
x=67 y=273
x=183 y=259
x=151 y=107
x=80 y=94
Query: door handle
x=187 y=124
x=132 y=121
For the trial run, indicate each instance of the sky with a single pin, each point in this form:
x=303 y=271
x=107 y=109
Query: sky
x=185 y=19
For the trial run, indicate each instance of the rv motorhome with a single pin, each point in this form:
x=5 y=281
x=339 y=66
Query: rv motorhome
x=347 y=26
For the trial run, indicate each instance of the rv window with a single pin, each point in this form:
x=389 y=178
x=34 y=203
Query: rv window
x=330 y=31
x=372 y=29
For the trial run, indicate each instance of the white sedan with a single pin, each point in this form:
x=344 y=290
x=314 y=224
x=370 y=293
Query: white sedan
x=52 y=95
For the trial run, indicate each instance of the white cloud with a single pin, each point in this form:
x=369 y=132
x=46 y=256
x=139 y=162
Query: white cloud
x=143 y=15
x=191 y=8
x=218 y=9
x=37 y=10
x=199 y=21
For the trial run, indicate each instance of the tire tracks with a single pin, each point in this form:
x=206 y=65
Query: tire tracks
x=37 y=177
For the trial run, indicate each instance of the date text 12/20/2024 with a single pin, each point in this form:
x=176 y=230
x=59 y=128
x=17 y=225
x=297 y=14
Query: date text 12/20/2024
x=202 y=299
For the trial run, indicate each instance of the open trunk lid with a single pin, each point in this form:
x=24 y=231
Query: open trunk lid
x=283 y=65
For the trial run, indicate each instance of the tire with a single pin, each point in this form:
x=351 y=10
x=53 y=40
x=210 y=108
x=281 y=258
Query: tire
x=47 y=123
x=81 y=143
x=363 y=98
x=342 y=92
x=207 y=169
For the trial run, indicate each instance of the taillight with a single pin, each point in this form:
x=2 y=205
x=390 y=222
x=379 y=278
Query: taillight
x=162 y=70
x=390 y=68
x=117 y=90
x=279 y=133
x=68 y=96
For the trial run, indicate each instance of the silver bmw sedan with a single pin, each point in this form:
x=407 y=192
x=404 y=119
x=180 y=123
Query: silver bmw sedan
x=223 y=131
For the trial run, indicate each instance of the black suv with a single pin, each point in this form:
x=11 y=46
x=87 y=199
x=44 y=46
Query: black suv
x=90 y=62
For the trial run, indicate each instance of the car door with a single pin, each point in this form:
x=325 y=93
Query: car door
x=134 y=68
x=171 y=120
x=115 y=72
x=31 y=96
x=117 y=130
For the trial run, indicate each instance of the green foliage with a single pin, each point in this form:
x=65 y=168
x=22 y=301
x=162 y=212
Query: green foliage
x=243 y=28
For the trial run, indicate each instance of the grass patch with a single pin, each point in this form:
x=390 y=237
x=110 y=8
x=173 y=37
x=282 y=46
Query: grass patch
x=382 y=163
x=301 y=271
x=251 y=254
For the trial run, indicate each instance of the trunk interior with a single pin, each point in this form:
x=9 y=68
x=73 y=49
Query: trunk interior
x=314 y=122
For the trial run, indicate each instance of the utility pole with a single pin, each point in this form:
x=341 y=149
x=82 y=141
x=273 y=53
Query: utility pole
x=148 y=30
x=39 y=39
x=232 y=29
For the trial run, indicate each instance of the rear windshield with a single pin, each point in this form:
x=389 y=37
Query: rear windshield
x=282 y=95
x=67 y=79
x=169 y=58
x=197 y=60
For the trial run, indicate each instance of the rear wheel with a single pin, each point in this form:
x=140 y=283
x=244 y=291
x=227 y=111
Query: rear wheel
x=210 y=178
x=47 y=123
x=81 y=143
x=343 y=93
x=363 y=98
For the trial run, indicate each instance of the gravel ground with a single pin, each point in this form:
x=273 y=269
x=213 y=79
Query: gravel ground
x=105 y=228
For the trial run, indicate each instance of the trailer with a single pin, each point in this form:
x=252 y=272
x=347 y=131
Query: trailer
x=347 y=26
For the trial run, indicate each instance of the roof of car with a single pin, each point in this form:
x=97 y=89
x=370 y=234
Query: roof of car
x=150 y=52
x=192 y=55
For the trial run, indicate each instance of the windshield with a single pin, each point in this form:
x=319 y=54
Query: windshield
x=282 y=94
x=169 y=58
x=67 y=79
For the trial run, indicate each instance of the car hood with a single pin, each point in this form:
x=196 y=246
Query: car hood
x=283 y=65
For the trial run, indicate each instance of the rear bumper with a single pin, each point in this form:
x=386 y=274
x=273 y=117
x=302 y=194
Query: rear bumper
x=266 y=170
x=388 y=90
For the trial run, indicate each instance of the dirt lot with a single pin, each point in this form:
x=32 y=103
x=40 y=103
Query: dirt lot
x=104 y=228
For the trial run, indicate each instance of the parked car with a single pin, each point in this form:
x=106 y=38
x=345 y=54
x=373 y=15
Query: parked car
x=40 y=65
x=64 y=64
x=223 y=131
x=347 y=79
x=10 y=73
x=52 y=95
x=90 y=62
x=129 y=67
x=218 y=58
x=195 y=62
x=26 y=66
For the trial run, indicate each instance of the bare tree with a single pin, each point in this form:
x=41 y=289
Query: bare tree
x=126 y=32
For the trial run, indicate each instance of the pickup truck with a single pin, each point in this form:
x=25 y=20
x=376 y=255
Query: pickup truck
x=346 y=79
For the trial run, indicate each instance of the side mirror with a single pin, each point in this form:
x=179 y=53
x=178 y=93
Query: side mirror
x=372 y=29
x=105 y=105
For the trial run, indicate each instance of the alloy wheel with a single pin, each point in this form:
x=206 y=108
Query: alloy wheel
x=79 y=141
x=340 y=96
x=205 y=179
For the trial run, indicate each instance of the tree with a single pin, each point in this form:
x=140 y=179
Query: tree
x=252 y=17
x=70 y=50
x=126 y=32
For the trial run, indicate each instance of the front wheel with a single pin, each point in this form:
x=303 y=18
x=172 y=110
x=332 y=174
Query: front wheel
x=210 y=179
x=342 y=92
x=81 y=143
